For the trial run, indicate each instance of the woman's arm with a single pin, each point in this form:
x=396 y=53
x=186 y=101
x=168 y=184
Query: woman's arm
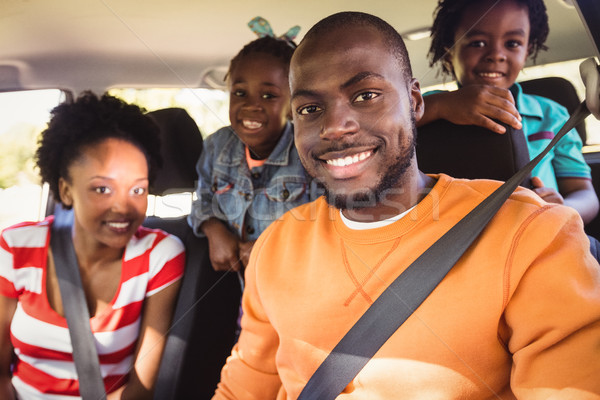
x=156 y=321
x=7 y=309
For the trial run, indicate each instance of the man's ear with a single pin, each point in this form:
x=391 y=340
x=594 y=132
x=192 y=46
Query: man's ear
x=417 y=103
x=64 y=192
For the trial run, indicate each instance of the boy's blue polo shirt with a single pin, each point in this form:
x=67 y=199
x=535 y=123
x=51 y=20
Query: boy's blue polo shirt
x=542 y=118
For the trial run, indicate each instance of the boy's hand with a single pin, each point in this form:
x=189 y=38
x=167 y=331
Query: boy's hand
x=480 y=105
x=223 y=246
x=547 y=194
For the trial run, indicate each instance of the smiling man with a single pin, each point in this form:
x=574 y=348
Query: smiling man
x=517 y=317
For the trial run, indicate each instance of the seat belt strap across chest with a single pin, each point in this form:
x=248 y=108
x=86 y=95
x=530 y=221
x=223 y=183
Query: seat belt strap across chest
x=406 y=293
x=85 y=355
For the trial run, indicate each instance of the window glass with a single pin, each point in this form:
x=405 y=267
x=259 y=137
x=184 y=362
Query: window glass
x=23 y=115
x=208 y=107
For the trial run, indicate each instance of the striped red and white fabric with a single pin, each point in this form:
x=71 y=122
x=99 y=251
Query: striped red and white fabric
x=44 y=369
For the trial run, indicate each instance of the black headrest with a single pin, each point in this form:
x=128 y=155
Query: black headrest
x=561 y=91
x=181 y=145
x=470 y=151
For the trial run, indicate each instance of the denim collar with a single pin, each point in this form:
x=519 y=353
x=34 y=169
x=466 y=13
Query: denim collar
x=233 y=152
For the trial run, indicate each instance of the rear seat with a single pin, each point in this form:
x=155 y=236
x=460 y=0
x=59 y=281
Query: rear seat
x=204 y=322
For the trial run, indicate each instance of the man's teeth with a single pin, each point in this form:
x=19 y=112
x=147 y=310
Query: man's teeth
x=251 y=124
x=118 y=225
x=345 y=161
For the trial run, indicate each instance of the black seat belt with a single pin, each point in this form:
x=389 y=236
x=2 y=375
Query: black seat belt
x=85 y=355
x=406 y=293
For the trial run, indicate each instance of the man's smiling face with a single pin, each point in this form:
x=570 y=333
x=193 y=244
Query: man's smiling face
x=354 y=111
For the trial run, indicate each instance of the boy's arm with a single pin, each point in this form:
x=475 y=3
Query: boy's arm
x=473 y=105
x=579 y=194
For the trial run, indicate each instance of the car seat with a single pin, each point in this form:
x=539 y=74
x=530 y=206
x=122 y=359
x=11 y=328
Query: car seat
x=472 y=152
x=204 y=322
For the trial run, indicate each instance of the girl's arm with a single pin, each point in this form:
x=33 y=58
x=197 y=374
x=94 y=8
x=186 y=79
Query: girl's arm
x=7 y=309
x=156 y=321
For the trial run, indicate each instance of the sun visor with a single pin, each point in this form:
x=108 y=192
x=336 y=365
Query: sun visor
x=9 y=78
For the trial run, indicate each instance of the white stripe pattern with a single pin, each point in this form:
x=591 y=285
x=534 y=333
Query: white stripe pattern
x=42 y=334
x=29 y=279
x=27 y=236
x=136 y=247
x=6 y=265
x=66 y=369
x=27 y=392
x=164 y=252
x=131 y=291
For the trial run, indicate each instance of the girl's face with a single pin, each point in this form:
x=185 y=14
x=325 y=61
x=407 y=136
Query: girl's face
x=259 y=101
x=108 y=189
x=491 y=43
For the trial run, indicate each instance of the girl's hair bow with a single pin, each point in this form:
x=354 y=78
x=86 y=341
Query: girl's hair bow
x=262 y=28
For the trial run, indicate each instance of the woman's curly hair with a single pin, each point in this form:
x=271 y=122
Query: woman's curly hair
x=86 y=122
x=447 y=16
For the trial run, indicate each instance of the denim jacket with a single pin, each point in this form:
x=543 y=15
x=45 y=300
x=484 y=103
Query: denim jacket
x=247 y=200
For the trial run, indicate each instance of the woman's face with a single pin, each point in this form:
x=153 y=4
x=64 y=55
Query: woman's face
x=108 y=190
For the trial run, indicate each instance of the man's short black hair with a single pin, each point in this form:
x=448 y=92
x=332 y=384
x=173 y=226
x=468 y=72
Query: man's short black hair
x=392 y=39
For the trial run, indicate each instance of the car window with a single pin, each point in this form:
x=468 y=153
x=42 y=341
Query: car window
x=23 y=115
x=208 y=107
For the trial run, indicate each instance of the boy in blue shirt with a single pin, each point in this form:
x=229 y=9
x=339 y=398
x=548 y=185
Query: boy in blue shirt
x=484 y=45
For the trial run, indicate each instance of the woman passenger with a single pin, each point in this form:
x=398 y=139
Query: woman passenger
x=99 y=156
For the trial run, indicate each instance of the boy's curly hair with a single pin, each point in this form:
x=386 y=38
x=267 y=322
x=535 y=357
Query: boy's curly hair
x=279 y=48
x=88 y=121
x=447 y=16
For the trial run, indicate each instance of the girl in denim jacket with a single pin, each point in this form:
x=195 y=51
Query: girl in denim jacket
x=249 y=172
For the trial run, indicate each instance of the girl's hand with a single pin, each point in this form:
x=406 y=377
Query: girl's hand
x=478 y=105
x=547 y=194
x=223 y=246
x=245 y=249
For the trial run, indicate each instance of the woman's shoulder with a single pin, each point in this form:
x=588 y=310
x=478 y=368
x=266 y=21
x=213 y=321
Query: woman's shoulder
x=28 y=234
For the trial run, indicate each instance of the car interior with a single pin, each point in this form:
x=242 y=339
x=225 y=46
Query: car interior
x=171 y=58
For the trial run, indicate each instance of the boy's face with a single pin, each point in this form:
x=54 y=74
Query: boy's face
x=259 y=101
x=491 y=44
x=354 y=112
